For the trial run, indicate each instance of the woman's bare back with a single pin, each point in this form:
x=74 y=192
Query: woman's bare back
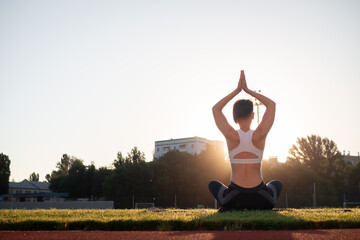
x=246 y=175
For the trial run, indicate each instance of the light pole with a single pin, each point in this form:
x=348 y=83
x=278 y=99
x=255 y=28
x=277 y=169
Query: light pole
x=257 y=103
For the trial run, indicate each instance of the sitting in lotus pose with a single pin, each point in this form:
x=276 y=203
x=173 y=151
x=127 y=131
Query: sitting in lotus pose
x=247 y=189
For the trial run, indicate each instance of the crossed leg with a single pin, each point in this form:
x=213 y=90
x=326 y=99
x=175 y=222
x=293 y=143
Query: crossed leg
x=260 y=197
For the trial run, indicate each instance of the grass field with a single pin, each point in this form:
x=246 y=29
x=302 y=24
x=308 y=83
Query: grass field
x=178 y=219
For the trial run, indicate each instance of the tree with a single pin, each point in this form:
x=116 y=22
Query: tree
x=76 y=179
x=34 y=177
x=64 y=164
x=89 y=180
x=120 y=160
x=135 y=156
x=354 y=176
x=59 y=179
x=4 y=173
x=48 y=177
x=100 y=176
x=59 y=183
x=321 y=155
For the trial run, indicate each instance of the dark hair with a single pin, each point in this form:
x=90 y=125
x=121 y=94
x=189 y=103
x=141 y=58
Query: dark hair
x=243 y=108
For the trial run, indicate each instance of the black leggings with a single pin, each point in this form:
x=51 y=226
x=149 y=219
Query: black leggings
x=263 y=196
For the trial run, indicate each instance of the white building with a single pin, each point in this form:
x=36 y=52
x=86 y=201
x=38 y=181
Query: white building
x=193 y=145
x=352 y=159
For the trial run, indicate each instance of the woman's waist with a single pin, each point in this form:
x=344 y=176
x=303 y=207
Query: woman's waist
x=246 y=176
x=246 y=168
x=247 y=183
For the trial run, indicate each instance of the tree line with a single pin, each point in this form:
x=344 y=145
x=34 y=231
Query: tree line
x=179 y=179
x=176 y=179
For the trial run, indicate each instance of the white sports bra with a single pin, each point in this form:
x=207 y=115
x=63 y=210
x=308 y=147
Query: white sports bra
x=246 y=145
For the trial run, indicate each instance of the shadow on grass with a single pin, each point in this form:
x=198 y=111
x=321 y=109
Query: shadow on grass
x=277 y=219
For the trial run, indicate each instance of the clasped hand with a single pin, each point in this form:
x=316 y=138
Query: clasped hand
x=242 y=82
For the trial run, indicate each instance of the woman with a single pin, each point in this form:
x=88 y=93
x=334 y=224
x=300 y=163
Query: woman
x=246 y=146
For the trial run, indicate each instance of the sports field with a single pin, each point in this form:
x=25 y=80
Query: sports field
x=178 y=219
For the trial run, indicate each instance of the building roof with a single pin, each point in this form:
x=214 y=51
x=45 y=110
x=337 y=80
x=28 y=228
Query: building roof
x=185 y=140
x=26 y=184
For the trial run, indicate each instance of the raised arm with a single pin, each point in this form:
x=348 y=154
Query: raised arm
x=269 y=115
x=221 y=122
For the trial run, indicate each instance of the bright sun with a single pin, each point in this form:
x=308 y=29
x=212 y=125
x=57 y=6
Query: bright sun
x=280 y=138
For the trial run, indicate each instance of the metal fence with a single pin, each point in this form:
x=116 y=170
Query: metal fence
x=59 y=205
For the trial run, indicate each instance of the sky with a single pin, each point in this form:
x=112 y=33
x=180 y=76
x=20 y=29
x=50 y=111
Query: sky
x=91 y=78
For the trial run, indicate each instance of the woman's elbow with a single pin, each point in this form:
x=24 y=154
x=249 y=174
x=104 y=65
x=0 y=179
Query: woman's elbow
x=271 y=105
x=214 y=108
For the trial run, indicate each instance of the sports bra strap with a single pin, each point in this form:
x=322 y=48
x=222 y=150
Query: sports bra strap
x=246 y=145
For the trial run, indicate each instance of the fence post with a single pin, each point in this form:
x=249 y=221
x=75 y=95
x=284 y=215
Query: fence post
x=314 y=196
x=175 y=200
x=215 y=204
x=133 y=202
x=91 y=201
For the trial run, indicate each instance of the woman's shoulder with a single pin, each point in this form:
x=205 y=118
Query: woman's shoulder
x=258 y=139
x=233 y=141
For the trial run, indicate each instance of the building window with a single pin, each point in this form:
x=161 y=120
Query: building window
x=192 y=146
x=157 y=149
x=182 y=146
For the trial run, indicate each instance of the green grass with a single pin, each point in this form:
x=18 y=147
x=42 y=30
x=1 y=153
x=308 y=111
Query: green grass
x=178 y=219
